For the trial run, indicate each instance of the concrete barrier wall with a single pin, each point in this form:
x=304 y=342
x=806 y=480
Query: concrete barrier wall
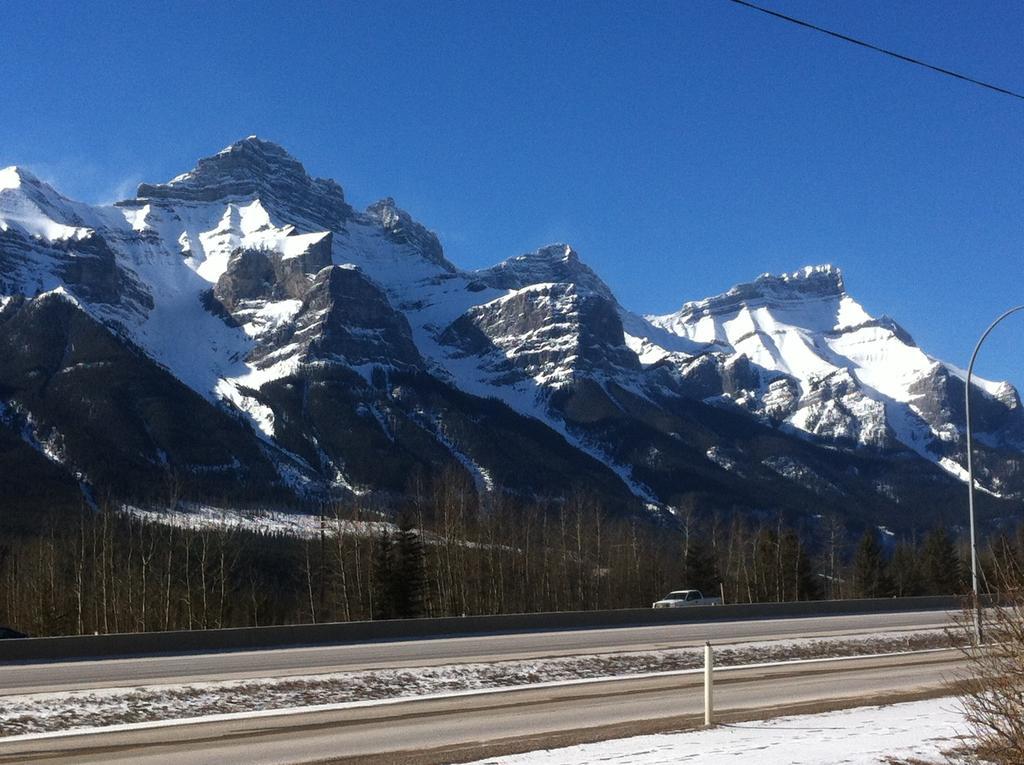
x=192 y=641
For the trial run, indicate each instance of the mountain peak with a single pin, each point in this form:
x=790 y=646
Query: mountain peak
x=255 y=168
x=402 y=229
x=386 y=211
x=560 y=252
x=17 y=178
x=36 y=208
x=246 y=163
x=823 y=282
x=255 y=147
x=14 y=176
x=555 y=263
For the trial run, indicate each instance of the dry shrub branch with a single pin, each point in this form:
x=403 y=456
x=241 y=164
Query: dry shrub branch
x=993 y=695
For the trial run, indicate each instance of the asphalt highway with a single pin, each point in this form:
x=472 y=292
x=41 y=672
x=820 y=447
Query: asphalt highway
x=20 y=678
x=462 y=728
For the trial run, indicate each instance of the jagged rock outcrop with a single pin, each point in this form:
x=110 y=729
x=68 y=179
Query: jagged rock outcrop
x=549 y=333
x=555 y=264
x=815 y=283
x=266 y=275
x=85 y=266
x=344 y=316
x=401 y=229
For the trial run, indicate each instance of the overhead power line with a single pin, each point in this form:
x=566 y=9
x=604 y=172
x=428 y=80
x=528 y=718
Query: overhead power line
x=869 y=46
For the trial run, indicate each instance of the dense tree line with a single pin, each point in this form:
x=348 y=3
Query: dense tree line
x=451 y=552
x=933 y=566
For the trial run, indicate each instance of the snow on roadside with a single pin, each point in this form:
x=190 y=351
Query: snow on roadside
x=57 y=711
x=860 y=736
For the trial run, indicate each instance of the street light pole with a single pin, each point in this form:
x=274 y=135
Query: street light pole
x=970 y=472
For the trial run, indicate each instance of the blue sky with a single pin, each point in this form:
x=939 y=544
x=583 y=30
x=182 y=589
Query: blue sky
x=680 y=147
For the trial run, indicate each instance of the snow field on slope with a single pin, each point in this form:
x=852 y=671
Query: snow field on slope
x=299 y=525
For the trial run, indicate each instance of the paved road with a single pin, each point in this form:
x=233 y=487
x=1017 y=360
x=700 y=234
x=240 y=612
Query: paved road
x=57 y=676
x=462 y=728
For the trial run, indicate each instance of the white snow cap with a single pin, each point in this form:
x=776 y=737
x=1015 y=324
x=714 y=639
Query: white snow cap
x=11 y=177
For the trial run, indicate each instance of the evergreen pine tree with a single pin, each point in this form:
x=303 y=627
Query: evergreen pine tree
x=870 y=578
x=905 y=571
x=701 y=572
x=409 y=571
x=941 y=569
x=384 y=577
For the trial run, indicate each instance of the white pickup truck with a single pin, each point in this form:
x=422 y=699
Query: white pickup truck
x=685 y=599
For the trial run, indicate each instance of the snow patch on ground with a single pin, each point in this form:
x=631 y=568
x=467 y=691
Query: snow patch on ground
x=260 y=414
x=716 y=455
x=956 y=470
x=795 y=471
x=303 y=526
x=861 y=736
x=268 y=317
x=481 y=475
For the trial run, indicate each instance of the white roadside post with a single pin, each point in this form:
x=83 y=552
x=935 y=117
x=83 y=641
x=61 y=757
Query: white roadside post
x=709 y=692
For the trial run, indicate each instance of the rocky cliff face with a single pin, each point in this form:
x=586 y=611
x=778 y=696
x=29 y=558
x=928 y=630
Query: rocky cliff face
x=253 y=334
x=95 y=405
x=548 y=333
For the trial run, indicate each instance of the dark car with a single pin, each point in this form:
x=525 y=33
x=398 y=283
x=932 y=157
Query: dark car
x=7 y=632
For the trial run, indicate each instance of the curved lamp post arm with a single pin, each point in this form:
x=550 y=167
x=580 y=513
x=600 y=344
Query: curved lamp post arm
x=970 y=470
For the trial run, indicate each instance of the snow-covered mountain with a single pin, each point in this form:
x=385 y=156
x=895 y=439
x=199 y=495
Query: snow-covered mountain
x=242 y=329
x=817 y=362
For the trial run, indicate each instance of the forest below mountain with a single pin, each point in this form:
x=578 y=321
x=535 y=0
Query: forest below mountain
x=449 y=554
